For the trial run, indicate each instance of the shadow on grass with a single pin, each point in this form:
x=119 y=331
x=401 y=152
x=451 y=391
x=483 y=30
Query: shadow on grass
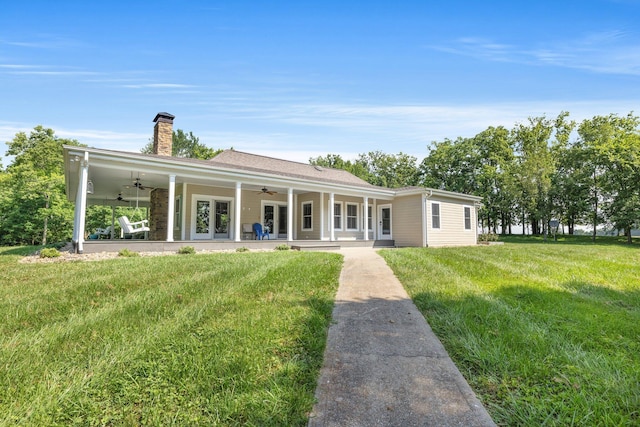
x=18 y=250
x=573 y=351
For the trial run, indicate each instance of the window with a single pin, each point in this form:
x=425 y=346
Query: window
x=467 y=218
x=307 y=218
x=435 y=215
x=337 y=216
x=352 y=217
x=369 y=217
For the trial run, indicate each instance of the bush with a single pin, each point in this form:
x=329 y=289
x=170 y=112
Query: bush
x=282 y=247
x=49 y=253
x=242 y=249
x=186 y=250
x=488 y=237
x=127 y=253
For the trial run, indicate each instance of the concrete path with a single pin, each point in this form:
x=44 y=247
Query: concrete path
x=383 y=366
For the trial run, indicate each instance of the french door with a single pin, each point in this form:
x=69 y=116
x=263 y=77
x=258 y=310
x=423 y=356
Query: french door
x=384 y=222
x=211 y=218
x=274 y=216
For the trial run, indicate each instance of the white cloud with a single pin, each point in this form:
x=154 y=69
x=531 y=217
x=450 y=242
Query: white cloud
x=609 y=52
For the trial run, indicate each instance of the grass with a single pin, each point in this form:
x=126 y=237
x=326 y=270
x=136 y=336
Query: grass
x=216 y=339
x=545 y=333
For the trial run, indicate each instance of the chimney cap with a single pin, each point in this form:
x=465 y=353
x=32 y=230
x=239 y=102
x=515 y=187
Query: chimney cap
x=164 y=117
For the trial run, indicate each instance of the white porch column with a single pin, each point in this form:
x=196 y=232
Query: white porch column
x=374 y=219
x=322 y=216
x=171 y=207
x=81 y=205
x=366 y=218
x=237 y=235
x=290 y=214
x=332 y=230
x=424 y=220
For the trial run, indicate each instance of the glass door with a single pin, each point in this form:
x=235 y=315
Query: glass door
x=385 y=222
x=222 y=220
x=203 y=219
x=282 y=221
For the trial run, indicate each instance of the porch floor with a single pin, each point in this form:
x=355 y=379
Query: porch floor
x=96 y=246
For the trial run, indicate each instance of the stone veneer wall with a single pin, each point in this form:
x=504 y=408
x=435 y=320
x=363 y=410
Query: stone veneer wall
x=158 y=214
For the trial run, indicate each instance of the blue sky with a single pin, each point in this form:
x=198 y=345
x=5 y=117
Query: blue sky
x=301 y=79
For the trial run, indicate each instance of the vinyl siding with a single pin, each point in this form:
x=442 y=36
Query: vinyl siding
x=314 y=233
x=451 y=231
x=406 y=223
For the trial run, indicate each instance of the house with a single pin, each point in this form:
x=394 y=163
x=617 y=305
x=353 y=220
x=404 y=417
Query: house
x=216 y=201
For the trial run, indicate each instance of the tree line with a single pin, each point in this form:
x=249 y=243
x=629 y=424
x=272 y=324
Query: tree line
x=585 y=173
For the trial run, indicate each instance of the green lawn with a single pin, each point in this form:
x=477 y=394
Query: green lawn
x=545 y=333
x=217 y=339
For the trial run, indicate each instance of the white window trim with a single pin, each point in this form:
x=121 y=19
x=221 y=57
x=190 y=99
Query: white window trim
x=364 y=220
x=333 y=216
x=464 y=218
x=439 y=227
x=346 y=216
x=302 y=215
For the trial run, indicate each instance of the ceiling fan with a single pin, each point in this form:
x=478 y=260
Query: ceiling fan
x=138 y=184
x=265 y=190
x=119 y=198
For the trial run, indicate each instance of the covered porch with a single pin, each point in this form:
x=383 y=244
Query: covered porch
x=212 y=205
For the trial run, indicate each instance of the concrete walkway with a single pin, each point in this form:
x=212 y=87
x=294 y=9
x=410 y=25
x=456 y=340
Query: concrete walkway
x=383 y=366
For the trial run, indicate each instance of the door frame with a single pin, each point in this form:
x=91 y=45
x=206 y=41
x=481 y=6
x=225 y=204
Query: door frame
x=381 y=235
x=195 y=198
x=273 y=233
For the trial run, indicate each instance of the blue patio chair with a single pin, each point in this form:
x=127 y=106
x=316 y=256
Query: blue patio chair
x=257 y=229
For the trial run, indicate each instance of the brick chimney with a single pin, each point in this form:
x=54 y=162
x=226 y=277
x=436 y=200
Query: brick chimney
x=163 y=134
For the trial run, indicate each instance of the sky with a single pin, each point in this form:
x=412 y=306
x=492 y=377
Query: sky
x=300 y=79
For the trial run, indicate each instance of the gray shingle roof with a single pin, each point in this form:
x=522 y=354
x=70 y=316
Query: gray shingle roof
x=286 y=168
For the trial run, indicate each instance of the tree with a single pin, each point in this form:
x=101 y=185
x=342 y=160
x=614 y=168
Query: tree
x=33 y=205
x=186 y=145
x=614 y=146
x=375 y=167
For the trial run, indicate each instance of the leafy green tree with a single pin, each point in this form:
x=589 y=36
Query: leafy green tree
x=375 y=167
x=614 y=146
x=452 y=166
x=33 y=205
x=390 y=170
x=186 y=145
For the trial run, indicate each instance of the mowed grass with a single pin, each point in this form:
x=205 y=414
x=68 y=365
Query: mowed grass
x=216 y=339
x=545 y=333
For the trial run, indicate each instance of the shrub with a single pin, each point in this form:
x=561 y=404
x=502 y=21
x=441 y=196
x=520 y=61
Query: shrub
x=127 y=253
x=49 y=253
x=488 y=237
x=282 y=247
x=242 y=249
x=186 y=250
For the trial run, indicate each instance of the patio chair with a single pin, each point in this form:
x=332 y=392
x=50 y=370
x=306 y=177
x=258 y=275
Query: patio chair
x=132 y=228
x=247 y=232
x=257 y=229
